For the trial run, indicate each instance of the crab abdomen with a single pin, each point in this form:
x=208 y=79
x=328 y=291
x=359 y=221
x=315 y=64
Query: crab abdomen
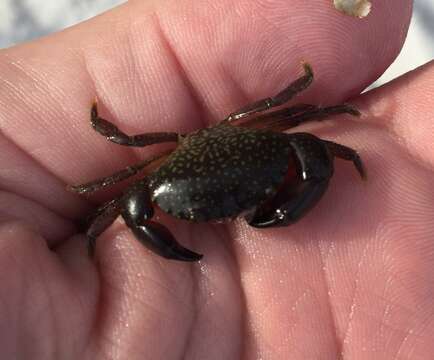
x=220 y=172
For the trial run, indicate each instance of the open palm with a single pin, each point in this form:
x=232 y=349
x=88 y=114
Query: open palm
x=353 y=279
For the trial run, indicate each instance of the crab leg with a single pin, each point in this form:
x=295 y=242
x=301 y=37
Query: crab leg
x=105 y=215
x=279 y=99
x=119 y=176
x=346 y=153
x=288 y=118
x=113 y=134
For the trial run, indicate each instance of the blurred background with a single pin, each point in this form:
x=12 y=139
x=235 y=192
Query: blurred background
x=22 y=20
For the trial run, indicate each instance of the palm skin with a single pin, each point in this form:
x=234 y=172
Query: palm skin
x=353 y=279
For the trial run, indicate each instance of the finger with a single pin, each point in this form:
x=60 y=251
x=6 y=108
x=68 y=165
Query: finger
x=329 y=268
x=393 y=237
x=164 y=64
x=154 y=308
x=47 y=307
x=51 y=226
x=28 y=181
x=404 y=108
x=254 y=49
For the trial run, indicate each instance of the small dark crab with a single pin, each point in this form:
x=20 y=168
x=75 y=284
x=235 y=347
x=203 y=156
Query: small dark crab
x=244 y=165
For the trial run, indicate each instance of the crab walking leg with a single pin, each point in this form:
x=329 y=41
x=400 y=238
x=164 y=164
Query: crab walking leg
x=104 y=217
x=288 y=118
x=102 y=208
x=137 y=211
x=119 y=176
x=279 y=99
x=258 y=120
x=346 y=153
x=113 y=134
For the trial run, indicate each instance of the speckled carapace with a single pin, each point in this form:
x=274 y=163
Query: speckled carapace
x=205 y=177
x=244 y=165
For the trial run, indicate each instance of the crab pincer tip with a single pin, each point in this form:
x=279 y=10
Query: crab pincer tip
x=184 y=254
x=94 y=109
x=352 y=110
x=361 y=170
x=307 y=69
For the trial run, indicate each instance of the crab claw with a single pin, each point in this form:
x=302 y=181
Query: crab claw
x=137 y=211
x=158 y=239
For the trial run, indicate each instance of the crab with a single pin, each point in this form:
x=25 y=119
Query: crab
x=245 y=165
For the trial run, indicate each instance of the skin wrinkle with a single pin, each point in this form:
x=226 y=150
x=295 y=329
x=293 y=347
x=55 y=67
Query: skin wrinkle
x=353 y=301
x=301 y=50
x=18 y=315
x=338 y=342
x=193 y=271
x=148 y=305
x=51 y=305
x=86 y=344
x=105 y=336
x=95 y=323
x=268 y=348
x=424 y=324
x=387 y=307
x=37 y=78
x=196 y=274
x=167 y=289
x=409 y=329
x=134 y=66
x=233 y=84
x=418 y=160
x=50 y=242
x=403 y=343
x=410 y=333
x=393 y=130
x=37 y=283
x=13 y=87
x=193 y=94
x=393 y=135
x=294 y=307
x=32 y=158
x=236 y=275
x=90 y=330
x=263 y=19
x=383 y=322
x=189 y=338
x=246 y=326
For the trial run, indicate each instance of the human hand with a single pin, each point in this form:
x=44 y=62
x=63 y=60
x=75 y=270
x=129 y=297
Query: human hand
x=352 y=279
